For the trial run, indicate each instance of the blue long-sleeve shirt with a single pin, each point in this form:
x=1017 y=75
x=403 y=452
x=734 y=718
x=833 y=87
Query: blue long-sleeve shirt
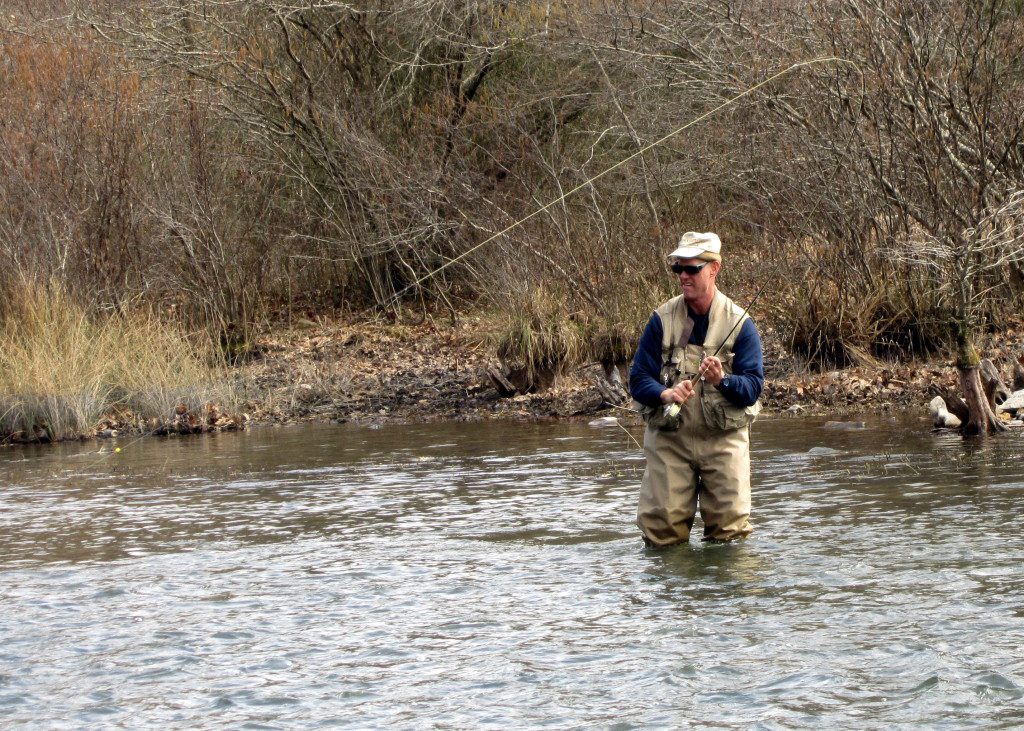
x=745 y=383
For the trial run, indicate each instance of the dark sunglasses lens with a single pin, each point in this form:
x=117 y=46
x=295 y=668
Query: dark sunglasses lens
x=690 y=269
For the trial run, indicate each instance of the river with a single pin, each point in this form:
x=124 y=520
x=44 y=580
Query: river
x=490 y=576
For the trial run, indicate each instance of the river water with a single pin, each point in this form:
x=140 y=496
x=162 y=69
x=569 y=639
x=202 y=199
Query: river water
x=489 y=575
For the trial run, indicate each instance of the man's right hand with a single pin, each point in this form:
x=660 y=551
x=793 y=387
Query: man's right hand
x=678 y=394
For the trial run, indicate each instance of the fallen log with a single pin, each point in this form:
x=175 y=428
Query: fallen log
x=505 y=388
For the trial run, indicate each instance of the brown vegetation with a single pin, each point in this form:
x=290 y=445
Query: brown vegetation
x=66 y=372
x=227 y=162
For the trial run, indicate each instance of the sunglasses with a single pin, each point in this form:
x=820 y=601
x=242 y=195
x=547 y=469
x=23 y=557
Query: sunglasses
x=691 y=269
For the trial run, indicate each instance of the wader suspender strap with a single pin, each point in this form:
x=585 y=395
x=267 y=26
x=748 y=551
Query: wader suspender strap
x=684 y=338
x=687 y=332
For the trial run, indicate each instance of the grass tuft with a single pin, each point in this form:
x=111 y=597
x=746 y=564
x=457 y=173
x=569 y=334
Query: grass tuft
x=541 y=337
x=63 y=369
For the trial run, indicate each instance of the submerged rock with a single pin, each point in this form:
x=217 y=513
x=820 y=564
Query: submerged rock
x=845 y=425
x=604 y=421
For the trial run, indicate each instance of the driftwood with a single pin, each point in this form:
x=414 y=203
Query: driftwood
x=956 y=405
x=995 y=390
x=609 y=385
x=512 y=379
x=505 y=387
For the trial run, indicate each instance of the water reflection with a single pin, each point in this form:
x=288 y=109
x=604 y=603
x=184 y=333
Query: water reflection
x=490 y=575
x=705 y=571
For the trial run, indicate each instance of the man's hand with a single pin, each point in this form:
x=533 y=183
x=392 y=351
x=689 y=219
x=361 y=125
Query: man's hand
x=711 y=367
x=678 y=394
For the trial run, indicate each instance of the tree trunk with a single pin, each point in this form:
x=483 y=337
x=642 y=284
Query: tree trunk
x=983 y=419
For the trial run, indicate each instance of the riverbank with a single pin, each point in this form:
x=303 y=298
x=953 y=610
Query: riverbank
x=375 y=373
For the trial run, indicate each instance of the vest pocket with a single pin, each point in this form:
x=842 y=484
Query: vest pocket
x=722 y=415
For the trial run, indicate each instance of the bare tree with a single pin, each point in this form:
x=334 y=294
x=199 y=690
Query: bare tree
x=371 y=111
x=917 y=157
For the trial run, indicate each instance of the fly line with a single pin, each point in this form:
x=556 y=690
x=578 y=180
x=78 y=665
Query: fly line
x=711 y=112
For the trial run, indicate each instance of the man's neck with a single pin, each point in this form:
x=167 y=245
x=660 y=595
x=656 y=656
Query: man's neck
x=702 y=305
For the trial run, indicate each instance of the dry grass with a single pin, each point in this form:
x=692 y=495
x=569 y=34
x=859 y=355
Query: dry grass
x=540 y=335
x=856 y=307
x=63 y=369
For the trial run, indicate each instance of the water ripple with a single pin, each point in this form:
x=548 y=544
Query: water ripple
x=491 y=576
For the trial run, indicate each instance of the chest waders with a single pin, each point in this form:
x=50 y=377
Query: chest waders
x=704 y=452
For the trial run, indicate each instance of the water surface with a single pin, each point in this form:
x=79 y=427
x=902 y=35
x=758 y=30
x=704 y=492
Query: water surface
x=489 y=575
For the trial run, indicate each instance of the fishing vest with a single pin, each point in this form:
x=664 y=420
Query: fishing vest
x=681 y=360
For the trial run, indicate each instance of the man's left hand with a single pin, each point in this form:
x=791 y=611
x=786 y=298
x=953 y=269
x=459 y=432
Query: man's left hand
x=712 y=369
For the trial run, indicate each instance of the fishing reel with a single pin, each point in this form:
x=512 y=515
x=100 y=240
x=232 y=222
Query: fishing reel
x=671 y=417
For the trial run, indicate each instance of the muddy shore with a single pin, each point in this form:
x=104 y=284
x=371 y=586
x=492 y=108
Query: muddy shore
x=372 y=373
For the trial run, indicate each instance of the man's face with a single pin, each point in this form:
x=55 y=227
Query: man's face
x=697 y=285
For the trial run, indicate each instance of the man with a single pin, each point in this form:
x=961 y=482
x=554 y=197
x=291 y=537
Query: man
x=700 y=451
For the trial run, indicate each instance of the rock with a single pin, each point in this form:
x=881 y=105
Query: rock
x=603 y=421
x=304 y=394
x=845 y=425
x=1014 y=403
x=941 y=416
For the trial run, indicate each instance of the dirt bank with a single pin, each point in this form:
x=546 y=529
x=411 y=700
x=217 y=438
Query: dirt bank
x=376 y=372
